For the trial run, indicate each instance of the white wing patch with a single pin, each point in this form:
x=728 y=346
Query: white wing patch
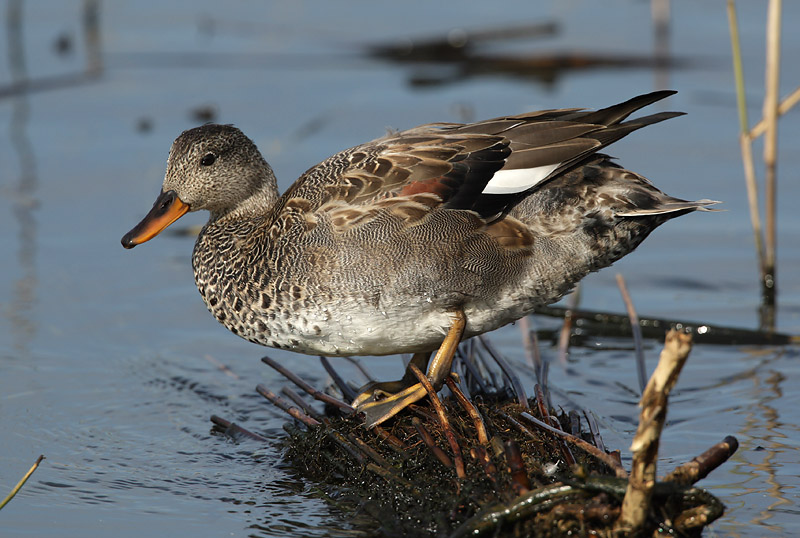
x=514 y=181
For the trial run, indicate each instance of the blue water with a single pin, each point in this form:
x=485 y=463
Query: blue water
x=108 y=358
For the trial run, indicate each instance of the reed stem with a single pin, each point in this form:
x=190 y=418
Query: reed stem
x=771 y=101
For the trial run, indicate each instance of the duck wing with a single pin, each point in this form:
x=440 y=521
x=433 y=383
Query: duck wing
x=486 y=167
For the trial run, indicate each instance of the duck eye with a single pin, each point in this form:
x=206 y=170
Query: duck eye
x=208 y=159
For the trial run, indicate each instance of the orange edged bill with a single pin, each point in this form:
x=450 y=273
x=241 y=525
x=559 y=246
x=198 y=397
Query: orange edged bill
x=167 y=209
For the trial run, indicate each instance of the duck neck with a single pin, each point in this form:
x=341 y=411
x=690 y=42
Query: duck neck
x=262 y=198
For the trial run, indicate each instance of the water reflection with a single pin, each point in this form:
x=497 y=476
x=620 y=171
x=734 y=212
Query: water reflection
x=24 y=192
x=91 y=35
x=21 y=84
x=459 y=55
x=661 y=13
x=766 y=427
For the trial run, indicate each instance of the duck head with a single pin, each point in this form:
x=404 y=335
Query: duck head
x=214 y=168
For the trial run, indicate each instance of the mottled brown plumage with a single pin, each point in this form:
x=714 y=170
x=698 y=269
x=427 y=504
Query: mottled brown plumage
x=372 y=251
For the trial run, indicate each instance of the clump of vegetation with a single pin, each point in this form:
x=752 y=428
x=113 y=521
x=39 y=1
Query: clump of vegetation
x=496 y=462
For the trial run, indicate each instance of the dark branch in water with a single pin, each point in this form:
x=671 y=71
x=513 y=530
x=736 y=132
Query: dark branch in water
x=702 y=465
x=234 y=430
x=318 y=395
x=611 y=324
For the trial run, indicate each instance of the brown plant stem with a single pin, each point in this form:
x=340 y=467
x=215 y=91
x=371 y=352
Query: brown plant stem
x=443 y=420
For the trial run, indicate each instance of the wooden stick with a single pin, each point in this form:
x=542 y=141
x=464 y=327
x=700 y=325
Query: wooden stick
x=361 y=367
x=611 y=322
x=283 y=404
x=619 y=471
x=702 y=465
x=296 y=398
x=636 y=504
x=394 y=443
x=480 y=454
x=321 y=396
x=371 y=452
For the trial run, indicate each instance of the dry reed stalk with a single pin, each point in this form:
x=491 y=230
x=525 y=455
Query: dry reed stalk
x=589 y=448
x=636 y=329
x=772 y=79
x=745 y=138
x=773 y=108
x=787 y=103
x=566 y=329
x=636 y=504
x=222 y=367
x=530 y=343
x=525 y=328
x=21 y=482
x=513 y=378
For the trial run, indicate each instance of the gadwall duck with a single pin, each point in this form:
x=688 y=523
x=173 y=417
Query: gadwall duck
x=412 y=242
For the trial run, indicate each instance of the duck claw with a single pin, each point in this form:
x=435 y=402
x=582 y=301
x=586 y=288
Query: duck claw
x=375 y=391
x=376 y=412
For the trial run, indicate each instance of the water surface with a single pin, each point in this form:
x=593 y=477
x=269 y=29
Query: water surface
x=109 y=358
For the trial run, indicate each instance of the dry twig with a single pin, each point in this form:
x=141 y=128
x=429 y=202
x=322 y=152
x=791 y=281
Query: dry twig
x=635 y=505
x=702 y=465
x=321 y=396
x=283 y=404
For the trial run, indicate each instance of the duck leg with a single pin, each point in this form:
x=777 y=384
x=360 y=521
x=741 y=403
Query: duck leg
x=401 y=394
x=378 y=390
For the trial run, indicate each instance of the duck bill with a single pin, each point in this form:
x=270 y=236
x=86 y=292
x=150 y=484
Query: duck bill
x=167 y=209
